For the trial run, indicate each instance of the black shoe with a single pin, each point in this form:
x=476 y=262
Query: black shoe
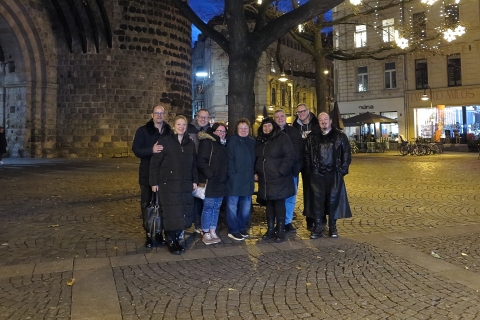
x=290 y=228
x=332 y=231
x=269 y=234
x=244 y=234
x=179 y=246
x=172 y=248
x=317 y=231
x=280 y=235
x=148 y=242
x=159 y=238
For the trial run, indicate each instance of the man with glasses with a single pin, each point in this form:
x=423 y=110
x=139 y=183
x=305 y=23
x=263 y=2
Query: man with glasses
x=145 y=144
x=306 y=122
x=296 y=139
x=200 y=123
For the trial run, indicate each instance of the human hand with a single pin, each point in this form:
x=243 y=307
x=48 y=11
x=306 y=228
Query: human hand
x=154 y=188
x=194 y=186
x=157 y=148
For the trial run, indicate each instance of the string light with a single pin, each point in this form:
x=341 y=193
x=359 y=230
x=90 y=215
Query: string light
x=356 y=2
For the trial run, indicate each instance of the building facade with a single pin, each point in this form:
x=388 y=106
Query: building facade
x=272 y=91
x=79 y=77
x=420 y=52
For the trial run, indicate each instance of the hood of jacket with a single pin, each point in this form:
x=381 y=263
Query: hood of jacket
x=203 y=135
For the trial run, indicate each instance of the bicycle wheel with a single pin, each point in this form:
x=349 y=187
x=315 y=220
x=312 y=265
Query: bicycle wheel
x=403 y=150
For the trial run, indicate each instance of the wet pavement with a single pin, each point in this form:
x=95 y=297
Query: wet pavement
x=411 y=251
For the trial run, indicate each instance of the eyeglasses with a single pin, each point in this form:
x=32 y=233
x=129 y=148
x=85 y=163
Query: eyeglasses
x=302 y=111
x=203 y=118
x=220 y=131
x=159 y=113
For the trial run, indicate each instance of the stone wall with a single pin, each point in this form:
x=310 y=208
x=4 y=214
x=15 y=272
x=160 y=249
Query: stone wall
x=104 y=97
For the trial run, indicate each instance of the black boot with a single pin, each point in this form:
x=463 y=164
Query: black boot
x=280 y=236
x=332 y=228
x=148 y=241
x=317 y=229
x=177 y=242
x=270 y=227
x=159 y=239
x=309 y=223
x=172 y=248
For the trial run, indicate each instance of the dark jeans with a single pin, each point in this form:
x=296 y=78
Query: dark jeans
x=321 y=200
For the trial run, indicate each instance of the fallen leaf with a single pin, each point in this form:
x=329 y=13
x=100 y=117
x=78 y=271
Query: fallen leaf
x=231 y=289
x=5 y=244
x=309 y=284
x=466 y=267
x=318 y=257
x=435 y=255
x=54 y=225
x=116 y=248
x=464 y=254
x=299 y=268
x=71 y=282
x=341 y=251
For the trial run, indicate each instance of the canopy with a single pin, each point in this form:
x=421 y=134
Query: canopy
x=367 y=117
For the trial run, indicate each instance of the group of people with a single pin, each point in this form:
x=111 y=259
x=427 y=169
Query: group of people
x=176 y=161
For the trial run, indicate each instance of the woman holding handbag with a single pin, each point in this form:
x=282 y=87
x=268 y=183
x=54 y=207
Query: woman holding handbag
x=212 y=161
x=173 y=173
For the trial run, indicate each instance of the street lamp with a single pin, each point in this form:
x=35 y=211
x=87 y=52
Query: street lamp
x=283 y=77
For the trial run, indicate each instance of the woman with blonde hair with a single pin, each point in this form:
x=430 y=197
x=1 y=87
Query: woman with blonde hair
x=173 y=175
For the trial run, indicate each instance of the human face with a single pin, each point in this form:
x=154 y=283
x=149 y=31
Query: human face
x=180 y=126
x=243 y=130
x=267 y=128
x=280 y=119
x=158 y=114
x=203 y=117
x=303 y=113
x=325 y=122
x=221 y=132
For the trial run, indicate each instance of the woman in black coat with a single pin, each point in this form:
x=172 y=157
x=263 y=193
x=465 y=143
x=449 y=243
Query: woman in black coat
x=3 y=144
x=212 y=162
x=273 y=169
x=173 y=173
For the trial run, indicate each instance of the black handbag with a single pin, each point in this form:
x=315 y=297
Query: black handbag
x=152 y=217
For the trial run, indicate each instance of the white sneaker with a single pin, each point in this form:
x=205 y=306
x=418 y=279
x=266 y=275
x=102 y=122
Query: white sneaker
x=215 y=237
x=199 y=231
x=207 y=238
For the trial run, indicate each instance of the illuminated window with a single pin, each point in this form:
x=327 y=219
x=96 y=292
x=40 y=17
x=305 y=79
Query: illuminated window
x=360 y=36
x=362 y=79
x=388 y=33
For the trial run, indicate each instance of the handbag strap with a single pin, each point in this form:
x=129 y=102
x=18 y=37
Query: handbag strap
x=209 y=161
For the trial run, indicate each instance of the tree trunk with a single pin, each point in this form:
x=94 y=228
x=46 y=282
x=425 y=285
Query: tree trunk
x=320 y=83
x=241 y=97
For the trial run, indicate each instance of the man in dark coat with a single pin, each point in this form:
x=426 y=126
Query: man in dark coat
x=306 y=122
x=200 y=123
x=274 y=157
x=144 y=146
x=326 y=160
x=297 y=142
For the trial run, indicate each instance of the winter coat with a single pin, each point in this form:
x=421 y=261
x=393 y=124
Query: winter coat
x=305 y=129
x=142 y=147
x=3 y=143
x=328 y=153
x=273 y=165
x=241 y=163
x=174 y=170
x=297 y=142
x=193 y=129
x=213 y=168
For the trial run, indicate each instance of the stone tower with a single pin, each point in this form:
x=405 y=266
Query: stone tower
x=78 y=77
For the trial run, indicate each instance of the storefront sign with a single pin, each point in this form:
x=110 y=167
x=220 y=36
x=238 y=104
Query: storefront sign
x=454 y=96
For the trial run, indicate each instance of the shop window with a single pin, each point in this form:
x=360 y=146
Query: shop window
x=362 y=79
x=389 y=131
x=390 y=76
x=360 y=36
x=388 y=31
x=419 y=25
x=454 y=70
x=452 y=17
x=421 y=74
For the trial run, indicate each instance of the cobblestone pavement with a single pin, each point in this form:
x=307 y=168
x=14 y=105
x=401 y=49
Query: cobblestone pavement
x=64 y=219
